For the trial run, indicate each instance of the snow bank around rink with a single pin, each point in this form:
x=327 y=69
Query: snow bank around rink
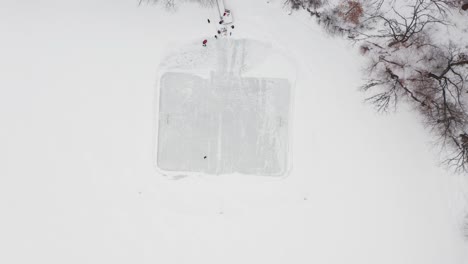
x=224 y=109
x=256 y=58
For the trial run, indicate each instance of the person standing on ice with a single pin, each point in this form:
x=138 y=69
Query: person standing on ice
x=204 y=42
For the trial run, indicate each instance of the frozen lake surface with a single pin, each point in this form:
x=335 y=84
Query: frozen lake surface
x=224 y=124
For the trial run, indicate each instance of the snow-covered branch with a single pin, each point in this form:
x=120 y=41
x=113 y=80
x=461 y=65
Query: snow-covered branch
x=408 y=61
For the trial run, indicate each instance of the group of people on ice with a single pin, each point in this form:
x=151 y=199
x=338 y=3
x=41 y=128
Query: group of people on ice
x=224 y=29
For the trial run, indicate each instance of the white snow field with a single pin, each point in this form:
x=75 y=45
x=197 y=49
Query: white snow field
x=225 y=123
x=77 y=177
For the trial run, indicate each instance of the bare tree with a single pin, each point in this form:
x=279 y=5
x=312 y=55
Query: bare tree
x=436 y=87
x=400 y=27
x=406 y=64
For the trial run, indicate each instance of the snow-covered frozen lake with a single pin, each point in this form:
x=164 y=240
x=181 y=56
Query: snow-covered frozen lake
x=77 y=116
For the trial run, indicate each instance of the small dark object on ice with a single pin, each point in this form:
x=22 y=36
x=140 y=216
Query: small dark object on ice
x=219 y=32
x=204 y=42
x=216 y=36
x=230 y=33
x=221 y=22
x=232 y=26
x=204 y=157
x=209 y=20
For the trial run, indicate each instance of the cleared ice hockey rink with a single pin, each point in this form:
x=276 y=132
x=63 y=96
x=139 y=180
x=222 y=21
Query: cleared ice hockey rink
x=223 y=124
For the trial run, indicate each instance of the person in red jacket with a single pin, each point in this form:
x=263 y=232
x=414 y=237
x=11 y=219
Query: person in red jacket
x=204 y=42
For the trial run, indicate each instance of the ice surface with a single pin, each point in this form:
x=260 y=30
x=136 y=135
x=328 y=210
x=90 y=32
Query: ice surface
x=224 y=108
x=224 y=124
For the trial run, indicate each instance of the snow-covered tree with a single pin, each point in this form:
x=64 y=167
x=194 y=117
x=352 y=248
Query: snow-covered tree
x=411 y=59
